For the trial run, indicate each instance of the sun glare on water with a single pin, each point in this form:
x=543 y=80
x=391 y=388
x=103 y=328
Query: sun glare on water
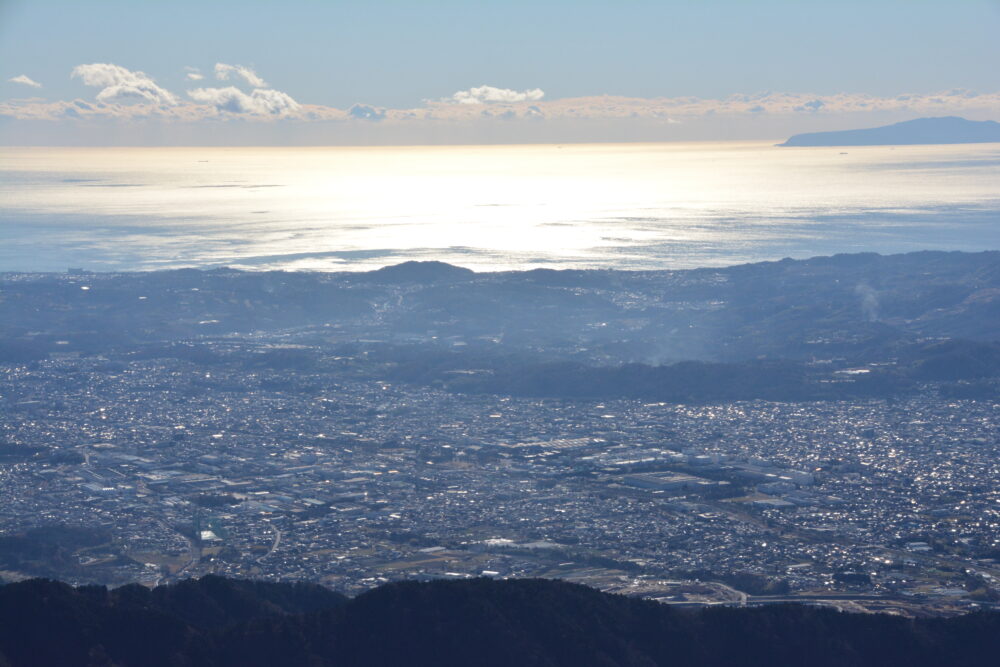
x=487 y=207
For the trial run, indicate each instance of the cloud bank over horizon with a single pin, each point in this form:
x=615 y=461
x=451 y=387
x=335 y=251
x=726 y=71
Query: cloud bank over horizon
x=128 y=97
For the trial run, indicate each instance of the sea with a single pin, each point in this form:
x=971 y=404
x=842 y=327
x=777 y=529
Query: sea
x=488 y=208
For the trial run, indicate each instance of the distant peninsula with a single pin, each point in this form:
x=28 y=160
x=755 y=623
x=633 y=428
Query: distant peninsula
x=943 y=130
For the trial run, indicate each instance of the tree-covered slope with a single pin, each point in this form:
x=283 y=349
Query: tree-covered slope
x=219 y=622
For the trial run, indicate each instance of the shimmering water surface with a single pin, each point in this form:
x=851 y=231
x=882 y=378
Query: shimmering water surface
x=634 y=206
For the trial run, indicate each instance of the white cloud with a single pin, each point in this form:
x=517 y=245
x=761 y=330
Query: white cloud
x=487 y=94
x=768 y=115
x=366 y=112
x=122 y=85
x=26 y=80
x=224 y=71
x=260 y=102
x=194 y=74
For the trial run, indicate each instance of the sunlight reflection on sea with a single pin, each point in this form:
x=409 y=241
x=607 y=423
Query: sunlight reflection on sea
x=633 y=206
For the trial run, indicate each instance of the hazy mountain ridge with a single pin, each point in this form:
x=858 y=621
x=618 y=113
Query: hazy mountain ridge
x=941 y=130
x=480 y=621
x=774 y=330
x=768 y=306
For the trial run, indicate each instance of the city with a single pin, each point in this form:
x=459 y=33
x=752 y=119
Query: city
x=128 y=466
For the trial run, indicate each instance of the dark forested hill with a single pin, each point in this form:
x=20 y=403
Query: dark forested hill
x=530 y=622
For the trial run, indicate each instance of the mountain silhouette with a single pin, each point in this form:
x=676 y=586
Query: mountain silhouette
x=217 y=622
x=942 y=130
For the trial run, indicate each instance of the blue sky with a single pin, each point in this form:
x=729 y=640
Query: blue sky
x=398 y=55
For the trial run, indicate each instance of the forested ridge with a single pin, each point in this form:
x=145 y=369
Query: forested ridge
x=529 y=622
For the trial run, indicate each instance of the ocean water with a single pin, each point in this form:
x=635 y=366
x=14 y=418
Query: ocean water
x=630 y=206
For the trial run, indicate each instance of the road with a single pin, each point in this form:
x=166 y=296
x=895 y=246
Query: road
x=274 y=544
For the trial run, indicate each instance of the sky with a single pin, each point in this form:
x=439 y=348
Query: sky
x=328 y=72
